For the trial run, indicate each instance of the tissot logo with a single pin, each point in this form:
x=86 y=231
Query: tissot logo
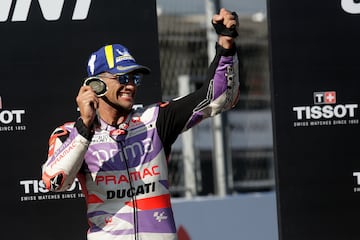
x=325 y=111
x=325 y=108
x=356 y=176
x=325 y=97
x=51 y=9
x=35 y=190
x=351 y=6
x=11 y=120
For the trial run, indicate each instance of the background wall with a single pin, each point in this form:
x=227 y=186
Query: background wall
x=45 y=48
x=315 y=82
x=44 y=51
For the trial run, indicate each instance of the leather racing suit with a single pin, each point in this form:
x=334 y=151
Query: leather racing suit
x=123 y=169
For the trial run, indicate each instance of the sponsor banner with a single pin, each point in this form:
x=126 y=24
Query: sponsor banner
x=45 y=47
x=34 y=190
x=11 y=119
x=51 y=11
x=325 y=111
x=314 y=86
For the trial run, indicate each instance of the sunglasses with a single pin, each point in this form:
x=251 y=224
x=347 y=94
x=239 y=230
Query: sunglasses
x=127 y=78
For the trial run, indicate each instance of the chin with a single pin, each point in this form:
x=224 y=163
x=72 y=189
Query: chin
x=127 y=108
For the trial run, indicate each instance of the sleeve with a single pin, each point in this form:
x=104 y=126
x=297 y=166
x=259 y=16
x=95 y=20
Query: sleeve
x=67 y=147
x=219 y=93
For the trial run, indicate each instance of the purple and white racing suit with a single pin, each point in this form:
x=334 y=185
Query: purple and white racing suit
x=123 y=169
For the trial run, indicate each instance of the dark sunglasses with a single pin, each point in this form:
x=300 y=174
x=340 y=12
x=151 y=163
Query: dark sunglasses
x=127 y=78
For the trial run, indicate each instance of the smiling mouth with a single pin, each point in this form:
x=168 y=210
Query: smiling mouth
x=126 y=94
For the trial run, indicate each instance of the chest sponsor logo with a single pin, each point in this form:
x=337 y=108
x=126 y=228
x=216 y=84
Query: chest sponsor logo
x=132 y=191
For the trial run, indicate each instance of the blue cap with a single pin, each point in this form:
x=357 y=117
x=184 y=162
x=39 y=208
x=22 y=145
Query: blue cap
x=114 y=59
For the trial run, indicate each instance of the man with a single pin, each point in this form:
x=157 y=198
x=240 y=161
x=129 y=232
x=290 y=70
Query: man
x=119 y=154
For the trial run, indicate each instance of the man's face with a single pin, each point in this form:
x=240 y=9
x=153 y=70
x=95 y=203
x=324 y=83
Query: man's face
x=121 y=92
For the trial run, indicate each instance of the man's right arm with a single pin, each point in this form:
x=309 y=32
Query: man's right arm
x=67 y=147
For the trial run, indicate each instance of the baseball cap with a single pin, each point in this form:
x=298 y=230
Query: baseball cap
x=115 y=59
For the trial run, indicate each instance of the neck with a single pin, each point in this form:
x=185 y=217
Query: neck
x=111 y=115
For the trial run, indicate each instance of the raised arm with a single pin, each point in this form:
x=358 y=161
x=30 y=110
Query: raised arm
x=220 y=91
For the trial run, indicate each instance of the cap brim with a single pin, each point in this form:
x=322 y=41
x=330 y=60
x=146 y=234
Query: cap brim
x=134 y=68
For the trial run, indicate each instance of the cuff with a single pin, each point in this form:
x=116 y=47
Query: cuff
x=225 y=52
x=83 y=130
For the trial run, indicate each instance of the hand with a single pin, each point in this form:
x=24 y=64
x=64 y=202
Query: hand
x=225 y=24
x=87 y=102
